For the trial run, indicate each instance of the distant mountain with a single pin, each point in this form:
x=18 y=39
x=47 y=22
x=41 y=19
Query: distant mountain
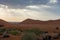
x=5 y=23
x=49 y=25
x=31 y=21
x=2 y=21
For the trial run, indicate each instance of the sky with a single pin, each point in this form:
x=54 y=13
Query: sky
x=19 y=10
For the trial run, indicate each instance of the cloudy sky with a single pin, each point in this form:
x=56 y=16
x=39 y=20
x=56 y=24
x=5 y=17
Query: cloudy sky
x=19 y=10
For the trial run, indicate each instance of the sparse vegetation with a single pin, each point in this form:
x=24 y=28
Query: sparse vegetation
x=2 y=30
x=36 y=31
x=13 y=31
x=59 y=34
x=46 y=31
x=47 y=37
x=56 y=36
x=57 y=28
x=1 y=25
x=6 y=36
x=30 y=30
x=29 y=36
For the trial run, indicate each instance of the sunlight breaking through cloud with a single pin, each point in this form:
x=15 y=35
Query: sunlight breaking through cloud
x=10 y=14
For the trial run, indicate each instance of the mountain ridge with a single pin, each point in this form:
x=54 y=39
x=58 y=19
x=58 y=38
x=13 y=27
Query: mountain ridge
x=32 y=21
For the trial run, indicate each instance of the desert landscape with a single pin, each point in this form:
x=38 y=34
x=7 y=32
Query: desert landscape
x=41 y=30
x=29 y=19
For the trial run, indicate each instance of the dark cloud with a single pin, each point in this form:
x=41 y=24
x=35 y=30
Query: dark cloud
x=22 y=3
x=59 y=2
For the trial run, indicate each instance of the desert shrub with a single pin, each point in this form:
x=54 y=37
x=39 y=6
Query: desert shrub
x=46 y=32
x=6 y=36
x=20 y=30
x=56 y=36
x=13 y=32
x=47 y=37
x=29 y=36
x=10 y=29
x=36 y=31
x=1 y=25
x=2 y=30
x=57 y=28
